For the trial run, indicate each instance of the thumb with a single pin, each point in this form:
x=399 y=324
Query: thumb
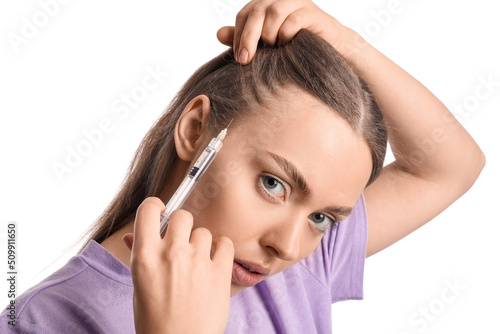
x=128 y=239
x=225 y=35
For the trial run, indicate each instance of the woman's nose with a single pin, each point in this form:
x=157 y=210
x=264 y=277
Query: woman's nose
x=283 y=239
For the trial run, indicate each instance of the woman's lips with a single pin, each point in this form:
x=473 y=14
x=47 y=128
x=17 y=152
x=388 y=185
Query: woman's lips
x=248 y=274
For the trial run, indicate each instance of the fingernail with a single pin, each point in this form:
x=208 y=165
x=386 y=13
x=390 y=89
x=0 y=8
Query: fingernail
x=236 y=54
x=243 y=56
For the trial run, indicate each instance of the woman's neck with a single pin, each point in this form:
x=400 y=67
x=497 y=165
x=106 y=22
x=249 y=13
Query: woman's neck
x=115 y=245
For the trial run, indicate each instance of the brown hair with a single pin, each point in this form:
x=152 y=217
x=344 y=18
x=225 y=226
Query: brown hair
x=307 y=61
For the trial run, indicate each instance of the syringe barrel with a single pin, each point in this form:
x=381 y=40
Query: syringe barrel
x=186 y=187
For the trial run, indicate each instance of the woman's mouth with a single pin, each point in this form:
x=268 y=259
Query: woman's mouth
x=248 y=274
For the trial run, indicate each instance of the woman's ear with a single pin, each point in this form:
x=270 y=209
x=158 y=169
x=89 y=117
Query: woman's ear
x=191 y=127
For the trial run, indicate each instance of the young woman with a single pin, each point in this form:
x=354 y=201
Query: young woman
x=279 y=226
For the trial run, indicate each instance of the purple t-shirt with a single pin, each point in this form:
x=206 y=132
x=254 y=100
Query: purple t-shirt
x=92 y=293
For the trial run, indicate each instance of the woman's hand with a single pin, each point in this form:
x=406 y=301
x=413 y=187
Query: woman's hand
x=278 y=21
x=178 y=286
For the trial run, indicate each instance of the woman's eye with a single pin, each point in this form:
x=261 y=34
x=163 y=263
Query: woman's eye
x=322 y=221
x=273 y=187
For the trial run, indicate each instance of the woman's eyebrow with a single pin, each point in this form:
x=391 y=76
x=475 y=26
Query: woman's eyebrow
x=293 y=173
x=343 y=211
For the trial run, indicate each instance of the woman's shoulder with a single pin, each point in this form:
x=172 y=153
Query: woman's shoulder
x=74 y=295
x=36 y=309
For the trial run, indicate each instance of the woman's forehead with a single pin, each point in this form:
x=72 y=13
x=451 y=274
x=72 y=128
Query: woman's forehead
x=313 y=138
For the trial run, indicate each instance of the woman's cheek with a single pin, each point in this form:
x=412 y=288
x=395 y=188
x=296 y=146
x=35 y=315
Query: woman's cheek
x=239 y=211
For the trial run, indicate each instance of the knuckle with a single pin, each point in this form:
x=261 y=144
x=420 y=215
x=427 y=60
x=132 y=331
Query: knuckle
x=202 y=232
x=150 y=203
x=225 y=244
x=258 y=9
x=275 y=10
x=225 y=241
x=140 y=265
x=174 y=256
x=294 y=18
x=153 y=200
x=181 y=215
x=240 y=16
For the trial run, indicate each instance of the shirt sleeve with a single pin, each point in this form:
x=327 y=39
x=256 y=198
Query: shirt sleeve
x=346 y=249
x=339 y=260
x=49 y=312
x=8 y=326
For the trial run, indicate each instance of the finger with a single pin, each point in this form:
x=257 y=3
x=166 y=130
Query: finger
x=225 y=35
x=248 y=32
x=241 y=19
x=179 y=228
x=299 y=19
x=275 y=16
x=147 y=222
x=201 y=240
x=224 y=253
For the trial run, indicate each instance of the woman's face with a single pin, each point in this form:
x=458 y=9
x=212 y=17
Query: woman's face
x=280 y=180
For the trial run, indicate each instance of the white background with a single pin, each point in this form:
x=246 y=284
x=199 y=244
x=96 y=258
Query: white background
x=65 y=78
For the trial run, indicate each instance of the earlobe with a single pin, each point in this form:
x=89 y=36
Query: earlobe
x=191 y=127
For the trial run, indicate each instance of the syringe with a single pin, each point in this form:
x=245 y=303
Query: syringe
x=186 y=187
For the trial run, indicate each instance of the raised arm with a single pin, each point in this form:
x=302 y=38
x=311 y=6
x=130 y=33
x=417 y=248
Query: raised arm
x=436 y=160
